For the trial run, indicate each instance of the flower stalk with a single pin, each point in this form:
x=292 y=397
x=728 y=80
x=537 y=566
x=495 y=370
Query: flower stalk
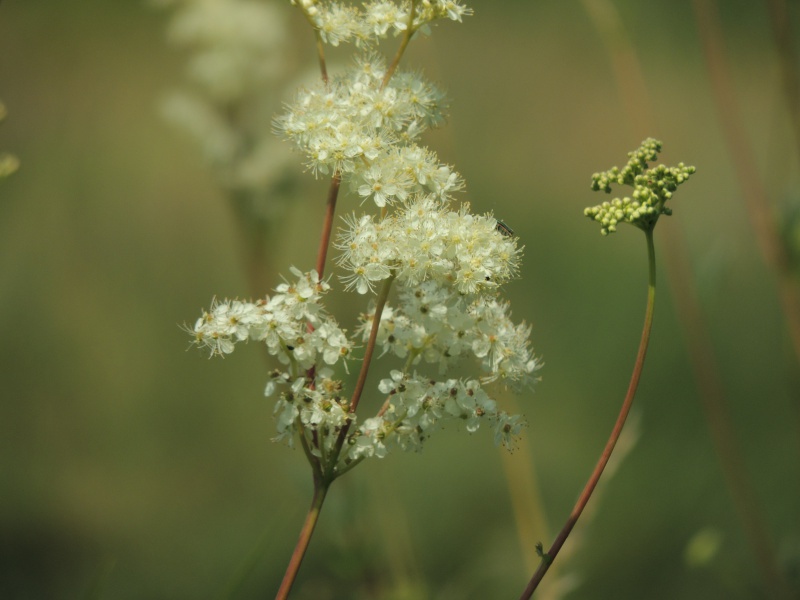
x=320 y=491
x=550 y=556
x=444 y=264
x=652 y=189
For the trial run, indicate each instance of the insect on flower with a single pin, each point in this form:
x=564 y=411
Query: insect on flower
x=504 y=229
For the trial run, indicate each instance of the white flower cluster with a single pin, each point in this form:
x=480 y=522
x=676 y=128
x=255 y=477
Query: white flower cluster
x=237 y=67
x=364 y=131
x=238 y=44
x=426 y=240
x=281 y=322
x=316 y=410
x=436 y=325
x=417 y=407
x=339 y=23
x=446 y=264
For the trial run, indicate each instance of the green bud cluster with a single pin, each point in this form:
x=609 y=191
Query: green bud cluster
x=651 y=189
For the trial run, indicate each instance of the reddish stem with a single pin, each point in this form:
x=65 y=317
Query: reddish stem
x=320 y=491
x=327 y=224
x=380 y=302
x=551 y=554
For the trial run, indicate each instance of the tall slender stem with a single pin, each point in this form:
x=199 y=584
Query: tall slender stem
x=320 y=491
x=551 y=554
x=633 y=93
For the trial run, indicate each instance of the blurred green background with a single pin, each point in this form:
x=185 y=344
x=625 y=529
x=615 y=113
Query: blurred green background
x=132 y=468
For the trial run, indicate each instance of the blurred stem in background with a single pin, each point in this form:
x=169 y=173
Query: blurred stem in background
x=549 y=556
x=787 y=59
x=772 y=247
x=255 y=238
x=633 y=94
x=235 y=76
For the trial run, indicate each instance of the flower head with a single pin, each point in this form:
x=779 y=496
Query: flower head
x=426 y=240
x=651 y=190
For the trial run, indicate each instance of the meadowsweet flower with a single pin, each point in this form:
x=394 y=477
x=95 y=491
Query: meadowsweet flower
x=507 y=428
x=384 y=183
x=375 y=20
x=437 y=325
x=280 y=322
x=445 y=264
x=382 y=17
x=355 y=126
x=425 y=240
x=418 y=406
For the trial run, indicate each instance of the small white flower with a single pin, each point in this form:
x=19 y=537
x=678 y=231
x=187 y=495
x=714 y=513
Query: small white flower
x=507 y=428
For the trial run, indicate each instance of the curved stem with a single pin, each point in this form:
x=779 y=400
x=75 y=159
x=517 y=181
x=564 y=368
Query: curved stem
x=633 y=92
x=550 y=555
x=320 y=491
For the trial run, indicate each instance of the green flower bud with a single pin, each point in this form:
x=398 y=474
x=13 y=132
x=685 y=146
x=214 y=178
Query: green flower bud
x=651 y=189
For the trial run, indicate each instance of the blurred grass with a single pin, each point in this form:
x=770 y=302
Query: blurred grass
x=131 y=468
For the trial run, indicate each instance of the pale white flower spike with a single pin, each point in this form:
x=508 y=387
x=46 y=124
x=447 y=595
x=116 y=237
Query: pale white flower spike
x=436 y=269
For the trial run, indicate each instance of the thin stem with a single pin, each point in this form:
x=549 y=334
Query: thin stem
x=551 y=554
x=321 y=56
x=633 y=93
x=380 y=303
x=316 y=464
x=320 y=491
x=383 y=295
x=320 y=46
x=327 y=224
x=524 y=491
x=403 y=44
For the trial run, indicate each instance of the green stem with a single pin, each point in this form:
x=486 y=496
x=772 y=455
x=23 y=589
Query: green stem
x=551 y=554
x=320 y=491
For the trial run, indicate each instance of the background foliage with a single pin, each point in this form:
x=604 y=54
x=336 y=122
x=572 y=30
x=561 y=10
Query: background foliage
x=131 y=468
